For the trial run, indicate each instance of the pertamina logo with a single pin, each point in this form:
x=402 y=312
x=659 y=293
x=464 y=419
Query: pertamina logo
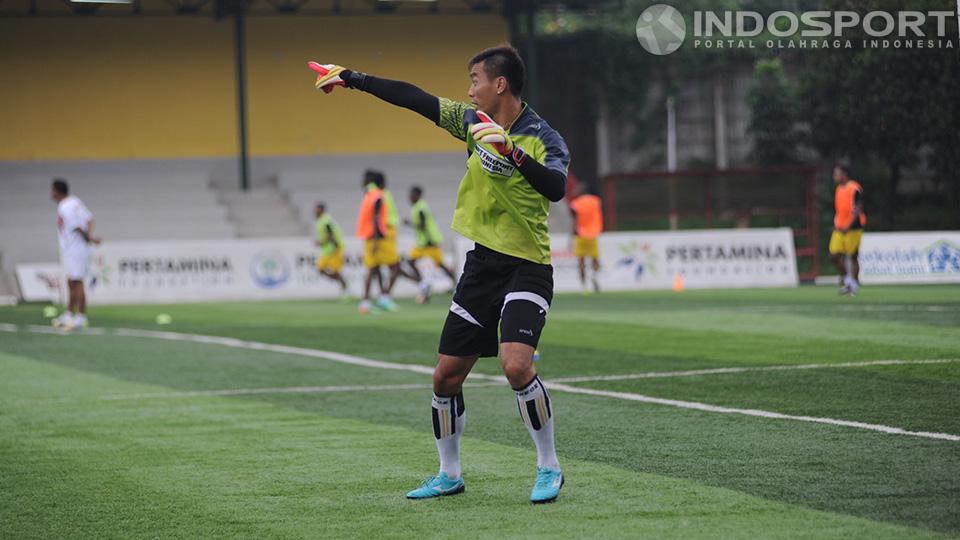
x=269 y=270
x=640 y=257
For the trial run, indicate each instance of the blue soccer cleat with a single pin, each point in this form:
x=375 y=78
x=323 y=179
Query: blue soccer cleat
x=386 y=304
x=547 y=487
x=437 y=486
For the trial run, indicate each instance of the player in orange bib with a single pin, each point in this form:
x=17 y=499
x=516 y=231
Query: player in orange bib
x=848 y=223
x=377 y=226
x=587 y=226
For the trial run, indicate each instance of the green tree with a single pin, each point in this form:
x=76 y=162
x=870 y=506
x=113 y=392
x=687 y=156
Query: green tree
x=941 y=133
x=883 y=104
x=773 y=115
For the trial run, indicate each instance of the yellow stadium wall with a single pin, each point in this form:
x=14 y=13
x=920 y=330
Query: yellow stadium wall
x=98 y=88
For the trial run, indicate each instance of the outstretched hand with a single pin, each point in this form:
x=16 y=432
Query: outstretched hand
x=328 y=76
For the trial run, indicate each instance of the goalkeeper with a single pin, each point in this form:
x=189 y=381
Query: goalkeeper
x=516 y=165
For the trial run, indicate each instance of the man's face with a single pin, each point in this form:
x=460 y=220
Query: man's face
x=319 y=211
x=55 y=195
x=485 y=92
x=839 y=176
x=414 y=197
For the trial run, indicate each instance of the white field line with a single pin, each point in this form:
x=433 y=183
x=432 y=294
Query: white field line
x=751 y=412
x=853 y=307
x=259 y=346
x=255 y=391
x=246 y=392
x=722 y=371
x=282 y=390
x=37 y=329
x=560 y=387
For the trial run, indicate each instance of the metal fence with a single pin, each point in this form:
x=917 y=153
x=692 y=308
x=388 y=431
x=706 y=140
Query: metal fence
x=704 y=199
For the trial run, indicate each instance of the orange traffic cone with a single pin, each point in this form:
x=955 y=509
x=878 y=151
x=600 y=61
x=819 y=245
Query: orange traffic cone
x=678 y=282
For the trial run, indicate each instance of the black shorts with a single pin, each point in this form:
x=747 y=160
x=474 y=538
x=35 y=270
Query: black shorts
x=496 y=290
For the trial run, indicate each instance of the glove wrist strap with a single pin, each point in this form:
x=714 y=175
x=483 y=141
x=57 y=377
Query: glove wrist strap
x=353 y=79
x=518 y=156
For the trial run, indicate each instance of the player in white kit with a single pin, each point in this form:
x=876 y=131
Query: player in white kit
x=75 y=230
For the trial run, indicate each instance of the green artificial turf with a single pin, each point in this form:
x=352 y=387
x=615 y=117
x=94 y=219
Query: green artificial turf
x=98 y=439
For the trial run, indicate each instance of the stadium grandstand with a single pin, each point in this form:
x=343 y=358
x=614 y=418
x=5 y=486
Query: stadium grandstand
x=151 y=144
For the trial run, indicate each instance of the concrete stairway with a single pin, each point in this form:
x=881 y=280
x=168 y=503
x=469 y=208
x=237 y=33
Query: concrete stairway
x=261 y=213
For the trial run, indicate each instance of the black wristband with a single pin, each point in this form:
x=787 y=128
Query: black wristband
x=353 y=79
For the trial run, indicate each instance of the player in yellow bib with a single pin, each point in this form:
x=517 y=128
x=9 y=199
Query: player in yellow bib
x=329 y=239
x=516 y=166
x=429 y=240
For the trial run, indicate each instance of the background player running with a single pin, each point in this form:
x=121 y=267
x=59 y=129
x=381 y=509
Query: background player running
x=516 y=165
x=329 y=239
x=429 y=240
x=377 y=226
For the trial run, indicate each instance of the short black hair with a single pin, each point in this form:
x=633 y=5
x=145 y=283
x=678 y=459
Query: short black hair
x=376 y=177
x=60 y=186
x=843 y=167
x=503 y=61
x=417 y=190
x=321 y=205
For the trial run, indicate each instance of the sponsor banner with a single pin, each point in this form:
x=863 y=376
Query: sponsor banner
x=202 y=270
x=285 y=268
x=901 y=257
x=41 y=282
x=720 y=258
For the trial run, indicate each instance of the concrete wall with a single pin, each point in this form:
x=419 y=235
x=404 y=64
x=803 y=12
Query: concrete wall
x=163 y=87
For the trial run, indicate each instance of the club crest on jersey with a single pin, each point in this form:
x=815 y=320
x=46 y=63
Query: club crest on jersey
x=493 y=164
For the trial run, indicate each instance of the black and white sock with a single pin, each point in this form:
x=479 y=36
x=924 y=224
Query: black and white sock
x=537 y=413
x=449 y=417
